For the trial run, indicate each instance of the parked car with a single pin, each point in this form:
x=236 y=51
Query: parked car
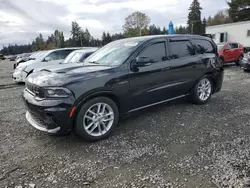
x=231 y=52
x=245 y=63
x=74 y=57
x=24 y=69
x=33 y=56
x=2 y=57
x=13 y=58
x=122 y=77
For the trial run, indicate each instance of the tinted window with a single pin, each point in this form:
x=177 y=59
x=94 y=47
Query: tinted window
x=248 y=33
x=156 y=52
x=234 y=45
x=64 y=53
x=203 y=46
x=181 y=49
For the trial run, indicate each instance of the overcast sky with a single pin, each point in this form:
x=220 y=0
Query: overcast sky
x=22 y=20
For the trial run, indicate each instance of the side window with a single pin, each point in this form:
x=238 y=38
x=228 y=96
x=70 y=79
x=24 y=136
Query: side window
x=234 y=45
x=52 y=56
x=248 y=33
x=229 y=46
x=64 y=53
x=181 y=49
x=203 y=46
x=156 y=52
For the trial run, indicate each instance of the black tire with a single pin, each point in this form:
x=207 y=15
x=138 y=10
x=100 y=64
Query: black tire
x=221 y=61
x=79 y=127
x=239 y=60
x=194 y=96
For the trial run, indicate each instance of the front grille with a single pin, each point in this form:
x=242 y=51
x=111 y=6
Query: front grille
x=35 y=90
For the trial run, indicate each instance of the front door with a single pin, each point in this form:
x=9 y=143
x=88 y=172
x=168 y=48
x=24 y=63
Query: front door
x=228 y=55
x=148 y=84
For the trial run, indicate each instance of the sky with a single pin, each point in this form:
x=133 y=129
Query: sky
x=22 y=20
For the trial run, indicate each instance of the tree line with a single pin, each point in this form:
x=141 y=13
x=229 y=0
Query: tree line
x=136 y=24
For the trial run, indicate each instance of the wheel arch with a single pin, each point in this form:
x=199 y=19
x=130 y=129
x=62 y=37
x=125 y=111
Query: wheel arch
x=109 y=94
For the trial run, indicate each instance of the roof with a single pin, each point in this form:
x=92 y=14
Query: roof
x=229 y=24
x=145 y=38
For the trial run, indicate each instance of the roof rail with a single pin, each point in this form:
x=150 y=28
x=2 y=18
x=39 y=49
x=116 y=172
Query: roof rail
x=207 y=35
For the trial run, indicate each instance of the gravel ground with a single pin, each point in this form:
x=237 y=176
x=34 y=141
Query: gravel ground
x=173 y=145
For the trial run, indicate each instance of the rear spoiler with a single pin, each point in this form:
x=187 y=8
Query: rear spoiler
x=207 y=35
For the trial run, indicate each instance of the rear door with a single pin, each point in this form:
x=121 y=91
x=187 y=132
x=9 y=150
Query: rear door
x=150 y=84
x=186 y=66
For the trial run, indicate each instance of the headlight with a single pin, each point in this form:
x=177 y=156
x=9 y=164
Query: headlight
x=20 y=68
x=56 y=92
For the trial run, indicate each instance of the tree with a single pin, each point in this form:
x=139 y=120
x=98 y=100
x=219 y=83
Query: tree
x=239 y=10
x=181 y=30
x=204 y=25
x=76 y=34
x=222 y=17
x=194 y=18
x=136 y=24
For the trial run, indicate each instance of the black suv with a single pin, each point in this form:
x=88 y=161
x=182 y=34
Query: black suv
x=122 y=77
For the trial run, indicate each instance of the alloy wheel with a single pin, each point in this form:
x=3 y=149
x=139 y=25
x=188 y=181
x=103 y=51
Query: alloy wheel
x=204 y=89
x=98 y=119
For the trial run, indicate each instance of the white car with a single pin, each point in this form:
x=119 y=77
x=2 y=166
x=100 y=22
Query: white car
x=24 y=69
x=74 y=57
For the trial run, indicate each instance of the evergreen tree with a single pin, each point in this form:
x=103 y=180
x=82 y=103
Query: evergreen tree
x=239 y=10
x=204 y=25
x=76 y=34
x=194 y=18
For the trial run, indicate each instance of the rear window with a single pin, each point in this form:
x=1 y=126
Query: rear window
x=203 y=46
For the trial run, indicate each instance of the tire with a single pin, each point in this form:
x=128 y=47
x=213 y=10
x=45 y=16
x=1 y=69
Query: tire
x=239 y=60
x=196 y=97
x=221 y=61
x=100 y=125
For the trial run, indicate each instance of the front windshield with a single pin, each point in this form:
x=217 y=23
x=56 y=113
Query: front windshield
x=69 y=57
x=113 y=54
x=220 y=47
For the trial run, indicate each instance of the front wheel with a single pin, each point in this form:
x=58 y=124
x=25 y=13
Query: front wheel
x=96 y=119
x=202 y=91
x=239 y=60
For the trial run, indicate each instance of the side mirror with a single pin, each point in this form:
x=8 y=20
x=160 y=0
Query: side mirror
x=47 y=59
x=142 y=61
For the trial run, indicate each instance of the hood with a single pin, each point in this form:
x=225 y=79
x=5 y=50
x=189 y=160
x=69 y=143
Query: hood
x=67 y=74
x=55 y=66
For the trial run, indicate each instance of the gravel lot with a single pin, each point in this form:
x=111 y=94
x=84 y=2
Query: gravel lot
x=172 y=145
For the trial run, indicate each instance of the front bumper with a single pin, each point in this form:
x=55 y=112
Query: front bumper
x=50 y=116
x=19 y=76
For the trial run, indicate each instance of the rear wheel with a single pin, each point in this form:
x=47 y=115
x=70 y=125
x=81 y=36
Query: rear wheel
x=96 y=119
x=202 y=91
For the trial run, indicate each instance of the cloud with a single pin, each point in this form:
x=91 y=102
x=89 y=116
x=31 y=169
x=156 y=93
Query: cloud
x=22 y=20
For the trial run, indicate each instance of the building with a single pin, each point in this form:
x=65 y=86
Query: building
x=232 y=32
